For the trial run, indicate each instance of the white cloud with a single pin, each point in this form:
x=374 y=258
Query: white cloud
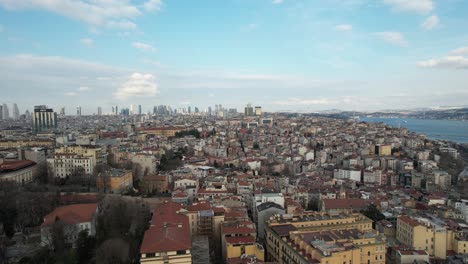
x=392 y=37
x=430 y=23
x=460 y=51
x=152 y=5
x=144 y=46
x=448 y=62
x=113 y=14
x=211 y=95
x=138 y=85
x=418 y=6
x=277 y=2
x=83 y=88
x=121 y=24
x=185 y=102
x=297 y=101
x=87 y=42
x=344 y=27
x=70 y=94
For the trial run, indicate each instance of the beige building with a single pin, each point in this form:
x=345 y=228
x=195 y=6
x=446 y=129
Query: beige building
x=429 y=235
x=114 y=181
x=64 y=165
x=98 y=155
x=324 y=238
x=19 y=171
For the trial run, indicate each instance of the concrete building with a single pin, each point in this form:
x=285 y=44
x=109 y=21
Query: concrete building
x=430 y=235
x=323 y=238
x=114 y=181
x=44 y=119
x=264 y=212
x=64 y=165
x=19 y=171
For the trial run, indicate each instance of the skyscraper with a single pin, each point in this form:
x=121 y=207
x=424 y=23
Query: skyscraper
x=6 y=114
x=99 y=110
x=78 y=111
x=1 y=112
x=131 y=110
x=16 y=113
x=43 y=119
x=139 y=109
x=249 y=111
x=116 y=110
x=62 y=111
x=258 y=110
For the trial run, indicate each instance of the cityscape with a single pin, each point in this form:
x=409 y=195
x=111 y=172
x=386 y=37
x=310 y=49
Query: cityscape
x=233 y=132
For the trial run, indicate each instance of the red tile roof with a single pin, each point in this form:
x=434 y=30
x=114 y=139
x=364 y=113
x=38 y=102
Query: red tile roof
x=238 y=230
x=240 y=240
x=164 y=239
x=15 y=165
x=202 y=206
x=71 y=214
x=169 y=231
x=352 y=203
x=409 y=221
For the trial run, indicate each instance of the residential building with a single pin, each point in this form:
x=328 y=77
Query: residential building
x=168 y=238
x=114 y=181
x=73 y=218
x=64 y=165
x=323 y=238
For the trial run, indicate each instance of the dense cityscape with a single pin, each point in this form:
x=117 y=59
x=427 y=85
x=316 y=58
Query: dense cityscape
x=233 y=132
x=222 y=186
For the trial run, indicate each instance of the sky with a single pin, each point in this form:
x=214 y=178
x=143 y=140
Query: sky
x=285 y=55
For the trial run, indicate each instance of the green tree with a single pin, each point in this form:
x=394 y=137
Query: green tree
x=85 y=247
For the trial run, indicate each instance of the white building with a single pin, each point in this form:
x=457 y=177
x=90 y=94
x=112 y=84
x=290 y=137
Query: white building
x=73 y=219
x=64 y=165
x=354 y=175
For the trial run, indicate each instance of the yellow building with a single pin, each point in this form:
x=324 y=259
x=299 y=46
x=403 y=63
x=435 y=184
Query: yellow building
x=85 y=150
x=426 y=234
x=161 y=131
x=7 y=144
x=383 y=150
x=114 y=181
x=324 y=238
x=239 y=239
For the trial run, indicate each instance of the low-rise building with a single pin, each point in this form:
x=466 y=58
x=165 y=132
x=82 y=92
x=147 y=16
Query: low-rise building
x=168 y=238
x=323 y=238
x=114 y=181
x=19 y=171
x=73 y=219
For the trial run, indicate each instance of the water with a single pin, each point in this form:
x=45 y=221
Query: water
x=456 y=131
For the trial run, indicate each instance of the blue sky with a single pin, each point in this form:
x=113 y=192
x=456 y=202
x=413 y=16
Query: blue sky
x=298 y=55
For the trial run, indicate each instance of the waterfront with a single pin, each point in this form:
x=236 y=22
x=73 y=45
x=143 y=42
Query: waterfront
x=456 y=131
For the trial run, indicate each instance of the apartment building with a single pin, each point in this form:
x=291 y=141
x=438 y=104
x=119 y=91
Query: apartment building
x=323 y=238
x=431 y=235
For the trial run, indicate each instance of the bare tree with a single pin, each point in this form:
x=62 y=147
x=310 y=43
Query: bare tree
x=113 y=251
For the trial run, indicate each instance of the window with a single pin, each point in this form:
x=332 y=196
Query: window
x=180 y=252
x=150 y=255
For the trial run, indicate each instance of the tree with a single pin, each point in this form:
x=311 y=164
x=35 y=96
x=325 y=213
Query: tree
x=113 y=251
x=42 y=174
x=124 y=219
x=373 y=213
x=256 y=146
x=85 y=247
